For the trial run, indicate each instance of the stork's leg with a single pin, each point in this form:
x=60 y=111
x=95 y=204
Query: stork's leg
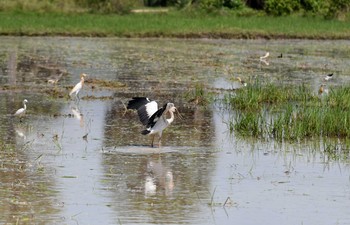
x=159 y=139
x=152 y=141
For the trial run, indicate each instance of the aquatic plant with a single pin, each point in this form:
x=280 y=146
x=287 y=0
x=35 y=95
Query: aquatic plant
x=257 y=95
x=199 y=95
x=290 y=112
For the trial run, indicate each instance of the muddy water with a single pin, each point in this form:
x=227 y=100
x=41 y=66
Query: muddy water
x=85 y=162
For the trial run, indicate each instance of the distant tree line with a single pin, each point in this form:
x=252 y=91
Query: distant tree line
x=325 y=8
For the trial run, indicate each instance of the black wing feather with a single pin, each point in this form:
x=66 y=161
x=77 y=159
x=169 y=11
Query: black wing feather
x=141 y=104
x=137 y=102
x=154 y=118
x=143 y=115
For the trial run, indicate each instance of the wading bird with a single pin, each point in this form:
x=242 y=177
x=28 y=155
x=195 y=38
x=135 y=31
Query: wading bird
x=54 y=80
x=265 y=56
x=328 y=77
x=243 y=83
x=153 y=118
x=78 y=86
x=322 y=90
x=22 y=111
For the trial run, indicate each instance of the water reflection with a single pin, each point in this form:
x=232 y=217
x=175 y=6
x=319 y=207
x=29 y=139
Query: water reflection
x=25 y=184
x=159 y=179
x=77 y=114
x=86 y=162
x=158 y=188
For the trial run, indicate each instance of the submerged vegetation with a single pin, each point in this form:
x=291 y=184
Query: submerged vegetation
x=290 y=112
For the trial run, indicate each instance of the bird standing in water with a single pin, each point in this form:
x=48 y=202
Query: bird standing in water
x=243 y=83
x=264 y=58
x=267 y=54
x=22 y=111
x=322 y=90
x=153 y=118
x=328 y=77
x=78 y=86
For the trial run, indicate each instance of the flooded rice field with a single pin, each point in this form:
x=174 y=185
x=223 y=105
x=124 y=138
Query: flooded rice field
x=85 y=162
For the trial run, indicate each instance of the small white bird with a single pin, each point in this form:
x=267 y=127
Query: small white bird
x=78 y=86
x=328 y=77
x=21 y=112
x=153 y=118
x=265 y=56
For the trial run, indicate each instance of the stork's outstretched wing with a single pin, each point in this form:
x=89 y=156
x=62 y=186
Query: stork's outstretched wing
x=145 y=107
x=154 y=118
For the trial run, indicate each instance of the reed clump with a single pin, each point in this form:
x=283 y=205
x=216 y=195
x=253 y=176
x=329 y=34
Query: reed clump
x=290 y=112
x=199 y=96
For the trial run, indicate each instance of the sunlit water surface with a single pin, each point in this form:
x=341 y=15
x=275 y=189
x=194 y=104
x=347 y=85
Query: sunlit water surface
x=85 y=162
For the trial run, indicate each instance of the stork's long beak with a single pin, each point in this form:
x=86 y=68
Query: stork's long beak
x=176 y=110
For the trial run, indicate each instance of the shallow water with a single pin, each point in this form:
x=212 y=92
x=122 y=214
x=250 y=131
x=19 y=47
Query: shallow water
x=85 y=162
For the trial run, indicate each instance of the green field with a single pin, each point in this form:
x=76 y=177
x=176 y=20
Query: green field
x=171 y=24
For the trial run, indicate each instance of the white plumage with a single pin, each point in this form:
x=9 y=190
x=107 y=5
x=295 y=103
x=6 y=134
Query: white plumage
x=154 y=119
x=78 y=86
x=21 y=112
x=265 y=56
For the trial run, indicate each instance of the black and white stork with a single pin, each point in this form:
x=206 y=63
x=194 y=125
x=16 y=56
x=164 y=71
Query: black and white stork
x=155 y=120
x=328 y=77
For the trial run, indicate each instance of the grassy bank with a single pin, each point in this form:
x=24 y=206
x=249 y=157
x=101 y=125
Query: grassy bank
x=290 y=112
x=171 y=24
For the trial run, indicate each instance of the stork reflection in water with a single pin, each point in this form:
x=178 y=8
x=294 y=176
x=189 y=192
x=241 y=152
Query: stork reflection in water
x=155 y=120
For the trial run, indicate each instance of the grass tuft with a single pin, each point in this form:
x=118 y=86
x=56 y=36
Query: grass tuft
x=290 y=112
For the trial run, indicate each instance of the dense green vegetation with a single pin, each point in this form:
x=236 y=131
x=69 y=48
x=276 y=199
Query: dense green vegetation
x=171 y=24
x=181 y=18
x=325 y=8
x=285 y=112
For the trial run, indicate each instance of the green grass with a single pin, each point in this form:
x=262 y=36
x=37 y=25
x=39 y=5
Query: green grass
x=257 y=96
x=290 y=113
x=171 y=24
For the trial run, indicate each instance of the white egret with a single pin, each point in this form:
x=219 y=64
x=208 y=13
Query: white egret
x=21 y=112
x=153 y=118
x=265 y=56
x=78 y=86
